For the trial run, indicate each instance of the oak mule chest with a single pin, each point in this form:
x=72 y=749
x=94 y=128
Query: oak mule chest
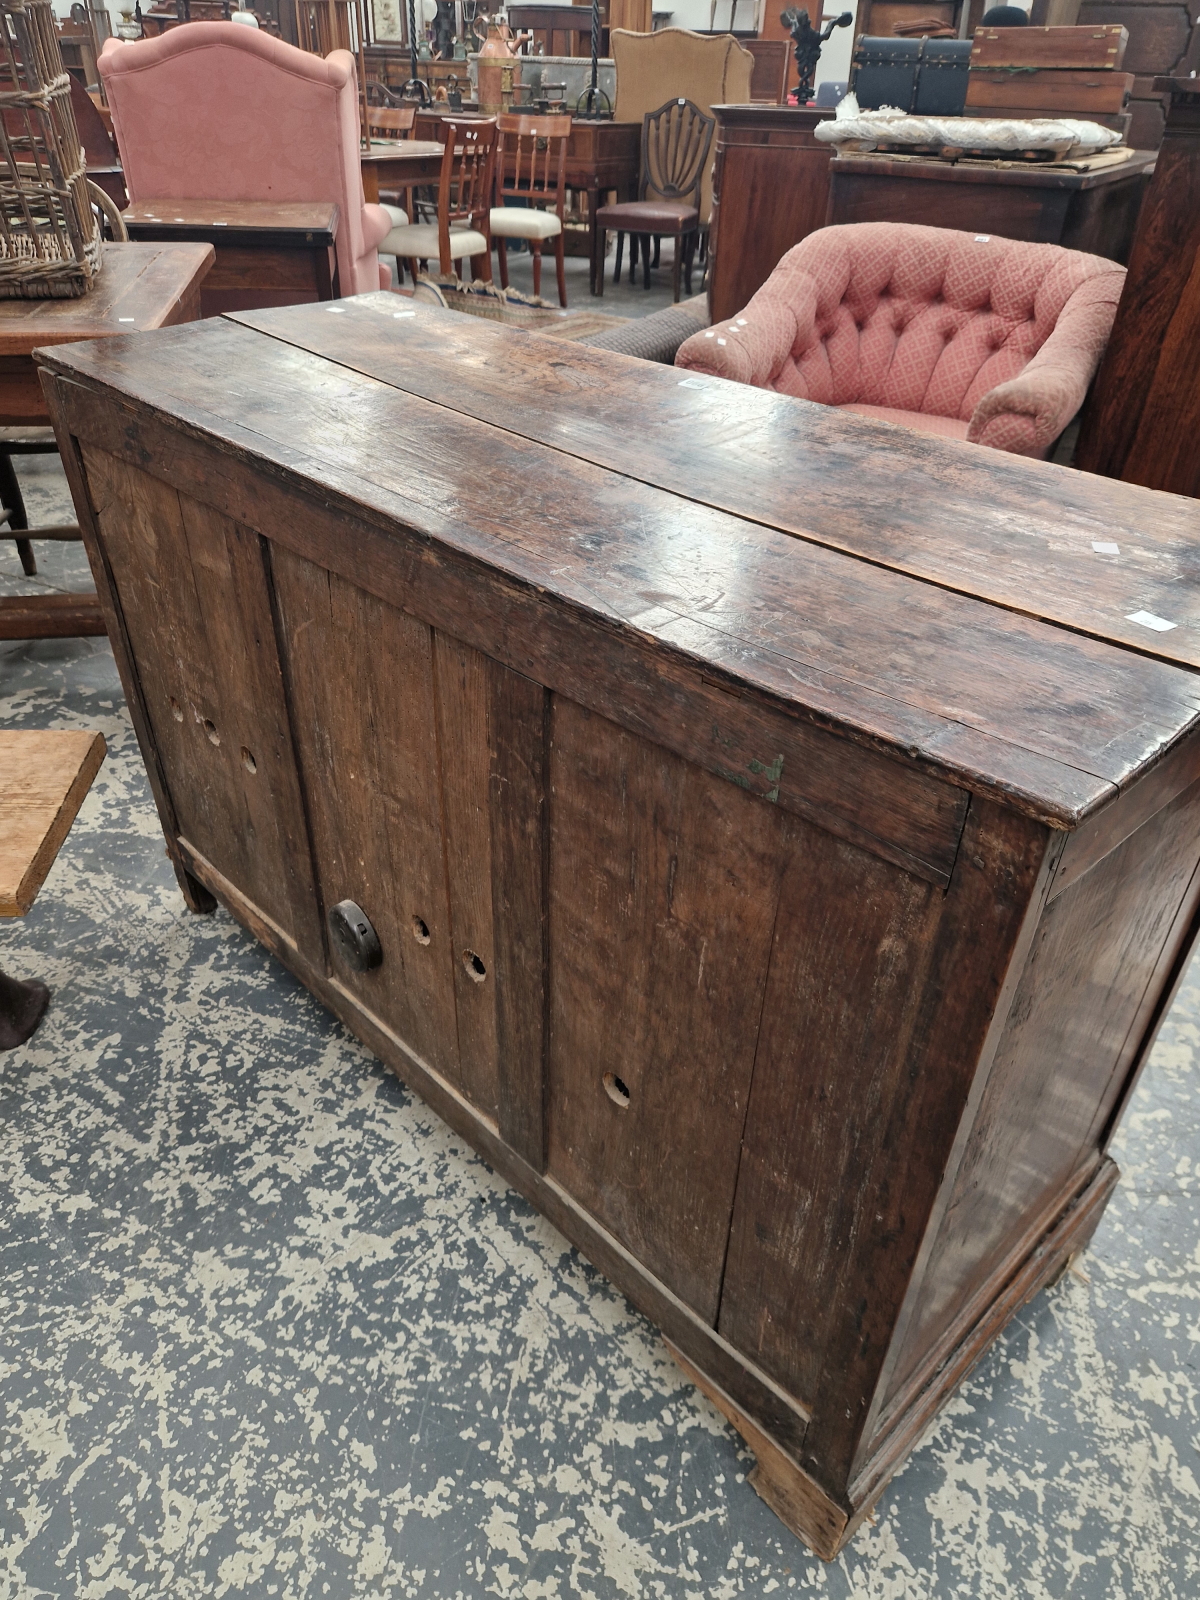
x=770 y=836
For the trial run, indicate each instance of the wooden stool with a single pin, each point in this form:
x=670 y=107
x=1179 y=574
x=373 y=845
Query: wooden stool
x=43 y=779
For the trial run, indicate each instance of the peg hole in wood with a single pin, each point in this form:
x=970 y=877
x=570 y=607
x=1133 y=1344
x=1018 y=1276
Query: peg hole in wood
x=420 y=930
x=616 y=1091
x=176 y=708
x=474 y=966
x=210 y=729
x=248 y=760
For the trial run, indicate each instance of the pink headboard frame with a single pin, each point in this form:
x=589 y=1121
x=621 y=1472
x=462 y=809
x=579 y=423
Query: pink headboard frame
x=214 y=111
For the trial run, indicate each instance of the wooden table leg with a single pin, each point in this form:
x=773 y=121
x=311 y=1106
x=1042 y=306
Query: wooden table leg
x=22 y=1007
x=593 y=195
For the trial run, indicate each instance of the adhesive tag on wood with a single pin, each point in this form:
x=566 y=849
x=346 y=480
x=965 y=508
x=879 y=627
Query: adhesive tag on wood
x=1103 y=547
x=413 y=314
x=1147 y=619
x=692 y=383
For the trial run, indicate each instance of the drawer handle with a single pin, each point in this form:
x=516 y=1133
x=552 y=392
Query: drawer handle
x=355 y=939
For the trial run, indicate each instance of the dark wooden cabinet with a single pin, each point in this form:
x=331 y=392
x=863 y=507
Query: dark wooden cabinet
x=1142 y=421
x=1092 y=211
x=780 y=877
x=770 y=190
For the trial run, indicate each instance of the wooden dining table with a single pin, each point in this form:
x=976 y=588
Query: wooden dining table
x=399 y=164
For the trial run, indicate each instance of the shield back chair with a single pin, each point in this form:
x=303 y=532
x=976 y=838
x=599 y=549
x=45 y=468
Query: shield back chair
x=462 y=228
x=212 y=111
x=675 y=145
x=531 y=164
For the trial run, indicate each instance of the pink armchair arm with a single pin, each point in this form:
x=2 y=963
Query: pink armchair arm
x=1026 y=414
x=753 y=346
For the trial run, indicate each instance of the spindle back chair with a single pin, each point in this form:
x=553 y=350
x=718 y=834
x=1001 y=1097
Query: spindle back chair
x=531 y=164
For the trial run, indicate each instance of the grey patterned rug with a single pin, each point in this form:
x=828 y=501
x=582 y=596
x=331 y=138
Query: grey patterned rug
x=267 y=1328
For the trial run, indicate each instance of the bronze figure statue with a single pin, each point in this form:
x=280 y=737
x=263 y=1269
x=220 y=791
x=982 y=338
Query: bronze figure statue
x=808 y=44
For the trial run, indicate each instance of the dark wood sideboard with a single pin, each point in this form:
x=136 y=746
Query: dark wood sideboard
x=778 y=875
x=1092 y=211
x=770 y=190
x=774 y=183
x=1142 y=422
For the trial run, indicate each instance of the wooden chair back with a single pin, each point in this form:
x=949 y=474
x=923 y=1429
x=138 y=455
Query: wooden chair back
x=675 y=144
x=465 y=186
x=391 y=122
x=531 y=159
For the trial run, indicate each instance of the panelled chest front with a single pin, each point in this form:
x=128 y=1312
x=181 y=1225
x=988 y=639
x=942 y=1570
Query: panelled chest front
x=770 y=836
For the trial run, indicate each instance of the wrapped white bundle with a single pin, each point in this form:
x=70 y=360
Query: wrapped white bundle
x=866 y=130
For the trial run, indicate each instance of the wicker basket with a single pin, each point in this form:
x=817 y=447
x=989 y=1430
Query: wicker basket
x=49 y=236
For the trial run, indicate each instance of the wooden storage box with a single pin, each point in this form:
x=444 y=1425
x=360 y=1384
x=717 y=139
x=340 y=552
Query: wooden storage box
x=1048 y=92
x=781 y=856
x=1101 y=45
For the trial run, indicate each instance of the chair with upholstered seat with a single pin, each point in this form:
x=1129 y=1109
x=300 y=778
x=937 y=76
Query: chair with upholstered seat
x=531 y=164
x=212 y=111
x=967 y=336
x=463 y=207
x=675 y=144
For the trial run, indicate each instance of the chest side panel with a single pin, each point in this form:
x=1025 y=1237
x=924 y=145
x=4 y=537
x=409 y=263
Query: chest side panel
x=193 y=589
x=1103 y=949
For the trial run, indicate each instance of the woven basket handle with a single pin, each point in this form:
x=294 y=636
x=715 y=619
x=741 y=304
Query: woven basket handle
x=108 y=210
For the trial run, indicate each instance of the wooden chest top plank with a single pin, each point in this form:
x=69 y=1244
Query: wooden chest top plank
x=1044 y=716
x=982 y=522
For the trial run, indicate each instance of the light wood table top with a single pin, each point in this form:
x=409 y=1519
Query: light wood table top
x=142 y=286
x=43 y=779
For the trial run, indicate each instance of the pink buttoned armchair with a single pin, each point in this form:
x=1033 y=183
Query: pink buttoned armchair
x=213 y=111
x=963 y=335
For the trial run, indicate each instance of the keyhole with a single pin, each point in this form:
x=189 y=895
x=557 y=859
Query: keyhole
x=210 y=729
x=248 y=760
x=616 y=1091
x=420 y=930
x=474 y=966
x=176 y=709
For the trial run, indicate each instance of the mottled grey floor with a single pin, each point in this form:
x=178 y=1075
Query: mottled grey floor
x=268 y=1328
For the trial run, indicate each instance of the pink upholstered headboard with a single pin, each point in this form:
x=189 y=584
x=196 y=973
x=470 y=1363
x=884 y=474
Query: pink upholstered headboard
x=214 y=111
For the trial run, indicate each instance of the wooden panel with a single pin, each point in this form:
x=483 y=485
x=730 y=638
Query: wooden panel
x=720 y=444
x=192 y=587
x=1096 y=950
x=663 y=883
x=518 y=713
x=1102 y=46
x=1140 y=423
x=462 y=678
x=1068 y=93
x=725 y=601
x=363 y=672
x=1033 y=213
x=44 y=776
x=1158 y=34
x=770 y=190
x=841 y=1169
x=849 y=961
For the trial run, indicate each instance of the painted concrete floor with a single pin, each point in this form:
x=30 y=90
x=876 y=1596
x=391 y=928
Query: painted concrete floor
x=267 y=1328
